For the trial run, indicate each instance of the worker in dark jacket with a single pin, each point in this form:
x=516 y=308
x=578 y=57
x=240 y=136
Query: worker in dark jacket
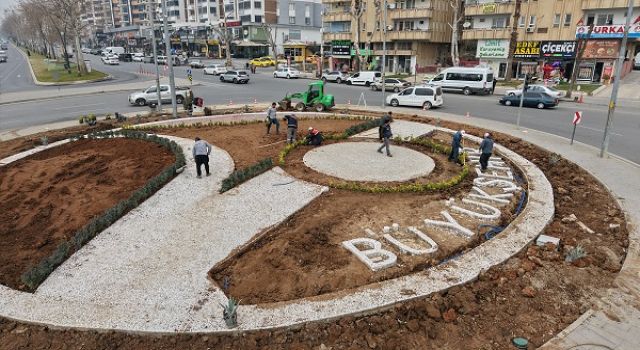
x=382 y=121
x=455 y=146
x=386 y=135
x=314 y=137
x=292 y=127
x=486 y=149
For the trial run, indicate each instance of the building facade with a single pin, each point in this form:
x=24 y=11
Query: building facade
x=550 y=35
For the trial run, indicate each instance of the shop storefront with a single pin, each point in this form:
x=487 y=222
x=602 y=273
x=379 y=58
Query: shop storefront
x=598 y=60
x=340 y=55
x=493 y=53
x=558 y=58
x=525 y=56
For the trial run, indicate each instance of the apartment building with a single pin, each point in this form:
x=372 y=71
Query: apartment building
x=418 y=33
x=299 y=24
x=548 y=36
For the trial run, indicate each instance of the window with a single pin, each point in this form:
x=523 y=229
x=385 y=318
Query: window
x=604 y=19
x=292 y=19
x=406 y=92
x=424 y=92
x=307 y=15
x=292 y=9
x=245 y=18
x=258 y=19
x=464 y=76
x=213 y=10
x=521 y=22
x=556 y=20
x=257 y=5
x=532 y=21
x=164 y=88
x=295 y=34
x=499 y=23
x=438 y=77
x=567 y=19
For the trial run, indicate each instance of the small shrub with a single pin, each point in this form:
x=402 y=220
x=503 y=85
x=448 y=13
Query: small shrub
x=44 y=140
x=242 y=175
x=81 y=119
x=229 y=313
x=208 y=111
x=554 y=159
x=575 y=253
x=107 y=116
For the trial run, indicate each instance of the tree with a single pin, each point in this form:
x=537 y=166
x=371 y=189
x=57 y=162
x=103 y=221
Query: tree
x=272 y=35
x=356 y=11
x=514 y=39
x=455 y=30
x=225 y=35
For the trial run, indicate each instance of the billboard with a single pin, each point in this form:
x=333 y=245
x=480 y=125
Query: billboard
x=527 y=49
x=558 y=49
x=492 y=49
x=614 y=31
x=602 y=49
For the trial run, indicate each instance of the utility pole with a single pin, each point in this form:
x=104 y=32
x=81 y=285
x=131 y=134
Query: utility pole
x=616 y=83
x=513 y=41
x=167 y=44
x=152 y=21
x=384 y=50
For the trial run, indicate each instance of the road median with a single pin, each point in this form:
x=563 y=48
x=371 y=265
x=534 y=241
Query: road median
x=52 y=73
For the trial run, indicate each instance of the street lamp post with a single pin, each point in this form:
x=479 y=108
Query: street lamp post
x=384 y=50
x=155 y=55
x=167 y=44
x=616 y=84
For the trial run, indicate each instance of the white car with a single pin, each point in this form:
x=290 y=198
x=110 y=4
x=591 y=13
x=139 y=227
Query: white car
x=113 y=60
x=425 y=96
x=286 y=72
x=537 y=88
x=214 y=69
x=137 y=57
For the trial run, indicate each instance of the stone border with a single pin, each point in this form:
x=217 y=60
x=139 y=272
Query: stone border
x=372 y=298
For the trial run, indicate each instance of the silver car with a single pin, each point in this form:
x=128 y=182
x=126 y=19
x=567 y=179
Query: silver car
x=391 y=84
x=335 y=76
x=235 y=76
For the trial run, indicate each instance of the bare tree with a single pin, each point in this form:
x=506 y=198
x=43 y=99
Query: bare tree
x=272 y=36
x=455 y=30
x=356 y=11
x=514 y=39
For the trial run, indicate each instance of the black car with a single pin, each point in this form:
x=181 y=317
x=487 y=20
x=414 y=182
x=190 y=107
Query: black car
x=539 y=100
x=125 y=57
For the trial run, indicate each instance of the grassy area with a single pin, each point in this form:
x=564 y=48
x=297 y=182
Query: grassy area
x=512 y=84
x=54 y=72
x=586 y=88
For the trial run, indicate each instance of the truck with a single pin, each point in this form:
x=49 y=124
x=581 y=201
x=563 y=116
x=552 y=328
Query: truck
x=149 y=96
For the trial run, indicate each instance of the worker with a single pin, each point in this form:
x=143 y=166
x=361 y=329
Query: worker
x=292 y=127
x=486 y=149
x=201 y=151
x=314 y=137
x=385 y=133
x=272 y=118
x=455 y=146
x=383 y=120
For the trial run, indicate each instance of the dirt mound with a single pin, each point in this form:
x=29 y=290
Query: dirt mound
x=46 y=197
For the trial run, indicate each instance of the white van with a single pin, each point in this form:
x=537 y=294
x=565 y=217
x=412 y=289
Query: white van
x=365 y=78
x=114 y=49
x=467 y=80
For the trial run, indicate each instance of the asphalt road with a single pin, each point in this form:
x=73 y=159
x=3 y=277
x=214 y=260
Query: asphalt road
x=625 y=140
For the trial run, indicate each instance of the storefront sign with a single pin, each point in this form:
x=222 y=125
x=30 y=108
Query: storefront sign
x=341 y=47
x=602 y=49
x=614 y=31
x=527 y=49
x=492 y=49
x=489 y=8
x=233 y=23
x=363 y=52
x=564 y=49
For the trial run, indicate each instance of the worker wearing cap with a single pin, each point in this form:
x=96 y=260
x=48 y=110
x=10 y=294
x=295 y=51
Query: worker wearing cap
x=292 y=127
x=455 y=146
x=486 y=149
x=314 y=137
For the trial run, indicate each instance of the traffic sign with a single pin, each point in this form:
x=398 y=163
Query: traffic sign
x=577 y=117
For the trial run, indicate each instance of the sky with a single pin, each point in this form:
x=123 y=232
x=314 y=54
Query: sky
x=5 y=4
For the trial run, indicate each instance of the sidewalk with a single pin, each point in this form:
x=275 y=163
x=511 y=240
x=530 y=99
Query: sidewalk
x=629 y=88
x=25 y=96
x=614 y=321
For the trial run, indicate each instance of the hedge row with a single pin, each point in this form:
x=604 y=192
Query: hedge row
x=37 y=274
x=242 y=175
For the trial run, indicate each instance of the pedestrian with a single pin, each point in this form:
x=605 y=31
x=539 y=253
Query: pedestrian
x=292 y=127
x=384 y=118
x=386 y=135
x=246 y=65
x=493 y=86
x=455 y=146
x=486 y=148
x=201 y=151
x=272 y=118
x=314 y=137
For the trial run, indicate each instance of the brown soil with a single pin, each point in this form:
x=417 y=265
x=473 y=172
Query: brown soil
x=533 y=295
x=248 y=144
x=46 y=197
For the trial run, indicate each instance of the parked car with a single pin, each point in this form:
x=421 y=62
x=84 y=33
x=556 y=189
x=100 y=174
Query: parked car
x=137 y=57
x=3 y=56
x=539 y=100
x=263 y=62
x=125 y=57
x=149 y=96
x=537 y=88
x=286 y=72
x=97 y=52
x=161 y=59
x=391 y=84
x=335 y=76
x=196 y=64
x=467 y=80
x=425 y=96
x=148 y=59
x=214 y=69
x=112 y=60
x=235 y=76
x=365 y=78
x=85 y=50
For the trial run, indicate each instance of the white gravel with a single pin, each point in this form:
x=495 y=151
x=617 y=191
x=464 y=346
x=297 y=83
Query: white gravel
x=359 y=161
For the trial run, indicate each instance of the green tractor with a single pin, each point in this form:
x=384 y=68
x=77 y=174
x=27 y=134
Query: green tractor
x=314 y=98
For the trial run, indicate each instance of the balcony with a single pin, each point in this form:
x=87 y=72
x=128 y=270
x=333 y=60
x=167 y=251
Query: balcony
x=410 y=35
x=488 y=33
x=338 y=16
x=411 y=13
x=337 y=36
x=605 y=4
x=491 y=8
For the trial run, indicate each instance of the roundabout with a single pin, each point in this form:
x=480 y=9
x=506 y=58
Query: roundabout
x=295 y=252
